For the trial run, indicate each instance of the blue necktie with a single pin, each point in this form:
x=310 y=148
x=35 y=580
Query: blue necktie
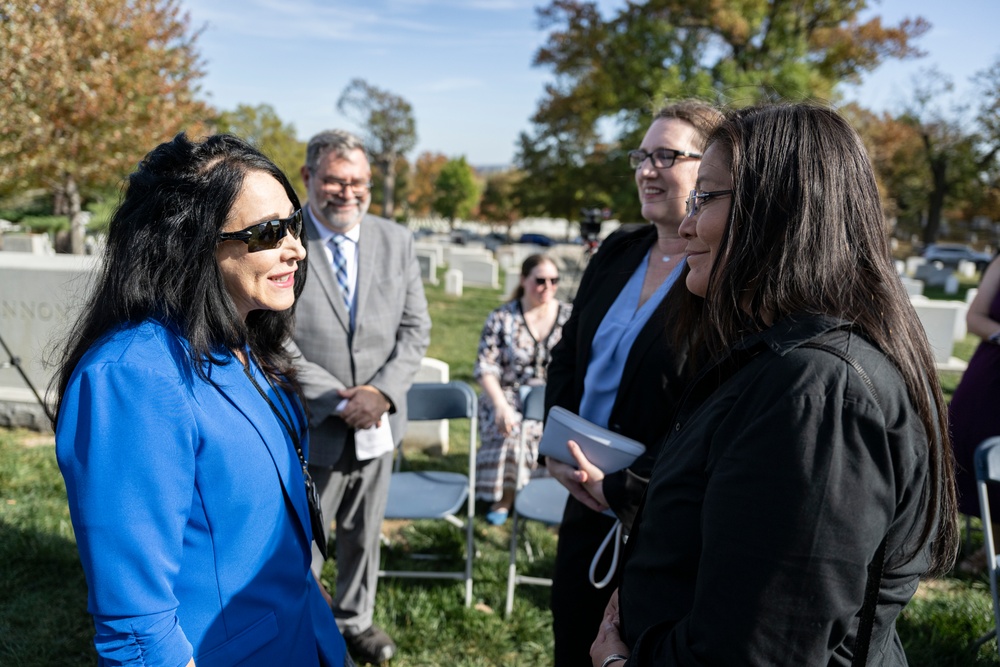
x=340 y=268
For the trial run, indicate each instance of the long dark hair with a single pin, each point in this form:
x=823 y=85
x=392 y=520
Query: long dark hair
x=806 y=234
x=159 y=260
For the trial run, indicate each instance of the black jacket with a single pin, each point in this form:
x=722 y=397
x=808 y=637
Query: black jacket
x=780 y=478
x=650 y=384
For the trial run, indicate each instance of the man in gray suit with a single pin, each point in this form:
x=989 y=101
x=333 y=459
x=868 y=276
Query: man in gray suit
x=361 y=328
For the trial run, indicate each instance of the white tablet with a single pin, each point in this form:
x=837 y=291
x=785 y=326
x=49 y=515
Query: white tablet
x=606 y=449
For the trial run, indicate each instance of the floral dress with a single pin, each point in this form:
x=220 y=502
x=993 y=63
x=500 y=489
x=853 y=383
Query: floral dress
x=508 y=351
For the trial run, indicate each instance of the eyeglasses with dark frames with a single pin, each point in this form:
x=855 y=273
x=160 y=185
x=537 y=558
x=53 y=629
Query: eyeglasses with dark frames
x=663 y=158
x=696 y=199
x=337 y=185
x=543 y=281
x=267 y=235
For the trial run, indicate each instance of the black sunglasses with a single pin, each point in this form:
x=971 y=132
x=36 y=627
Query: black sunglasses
x=542 y=281
x=266 y=235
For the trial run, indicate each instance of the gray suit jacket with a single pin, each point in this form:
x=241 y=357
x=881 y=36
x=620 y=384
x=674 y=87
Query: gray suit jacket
x=391 y=331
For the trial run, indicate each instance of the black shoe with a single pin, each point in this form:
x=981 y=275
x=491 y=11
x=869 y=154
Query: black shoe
x=372 y=646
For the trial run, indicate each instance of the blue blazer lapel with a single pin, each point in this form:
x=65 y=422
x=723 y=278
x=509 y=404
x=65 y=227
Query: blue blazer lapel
x=231 y=381
x=320 y=269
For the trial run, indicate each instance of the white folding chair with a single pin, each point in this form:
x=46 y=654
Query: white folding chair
x=987 y=463
x=436 y=494
x=542 y=500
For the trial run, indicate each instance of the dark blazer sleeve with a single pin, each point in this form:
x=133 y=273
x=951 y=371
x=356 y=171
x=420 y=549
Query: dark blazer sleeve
x=564 y=375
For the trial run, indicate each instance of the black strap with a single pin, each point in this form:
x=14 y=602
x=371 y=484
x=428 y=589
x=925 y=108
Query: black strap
x=283 y=417
x=852 y=362
x=877 y=566
x=312 y=497
x=867 y=622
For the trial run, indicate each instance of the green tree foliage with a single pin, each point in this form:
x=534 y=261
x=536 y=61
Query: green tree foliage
x=613 y=70
x=457 y=192
x=90 y=86
x=390 y=128
x=261 y=126
x=497 y=204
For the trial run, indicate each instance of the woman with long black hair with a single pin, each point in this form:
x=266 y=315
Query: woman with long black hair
x=807 y=482
x=180 y=432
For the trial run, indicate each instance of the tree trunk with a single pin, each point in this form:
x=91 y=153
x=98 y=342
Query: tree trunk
x=59 y=204
x=76 y=218
x=935 y=200
x=389 y=184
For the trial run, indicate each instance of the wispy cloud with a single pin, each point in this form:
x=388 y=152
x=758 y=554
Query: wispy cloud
x=278 y=19
x=451 y=84
x=483 y=5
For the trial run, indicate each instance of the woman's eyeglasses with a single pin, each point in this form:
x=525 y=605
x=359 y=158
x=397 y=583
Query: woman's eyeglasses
x=663 y=158
x=266 y=235
x=543 y=281
x=697 y=199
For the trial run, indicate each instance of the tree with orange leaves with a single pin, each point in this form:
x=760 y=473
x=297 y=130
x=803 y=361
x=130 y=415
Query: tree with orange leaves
x=422 y=191
x=90 y=86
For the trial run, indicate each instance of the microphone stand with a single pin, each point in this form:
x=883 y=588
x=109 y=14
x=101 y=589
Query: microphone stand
x=16 y=363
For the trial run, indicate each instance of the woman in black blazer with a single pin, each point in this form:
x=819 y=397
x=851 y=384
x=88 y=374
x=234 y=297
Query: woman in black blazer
x=615 y=367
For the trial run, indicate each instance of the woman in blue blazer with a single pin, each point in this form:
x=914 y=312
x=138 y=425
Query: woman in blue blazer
x=180 y=432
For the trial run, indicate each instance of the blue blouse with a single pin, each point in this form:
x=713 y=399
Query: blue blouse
x=619 y=329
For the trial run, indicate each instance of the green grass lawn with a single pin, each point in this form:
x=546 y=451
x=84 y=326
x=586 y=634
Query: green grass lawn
x=43 y=619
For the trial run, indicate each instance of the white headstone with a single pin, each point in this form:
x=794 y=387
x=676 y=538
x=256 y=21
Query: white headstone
x=933 y=275
x=424 y=434
x=511 y=281
x=478 y=271
x=971 y=294
x=912 y=263
x=966 y=269
x=429 y=247
x=453 y=282
x=900 y=266
x=913 y=287
x=455 y=254
x=35 y=244
x=951 y=285
x=428 y=266
x=40 y=297
x=942 y=320
x=508 y=257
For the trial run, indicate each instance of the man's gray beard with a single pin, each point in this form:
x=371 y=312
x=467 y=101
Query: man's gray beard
x=336 y=222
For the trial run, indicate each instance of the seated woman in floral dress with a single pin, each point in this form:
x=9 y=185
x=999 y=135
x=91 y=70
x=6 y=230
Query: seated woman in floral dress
x=514 y=350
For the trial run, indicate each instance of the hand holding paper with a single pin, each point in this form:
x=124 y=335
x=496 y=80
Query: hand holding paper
x=365 y=406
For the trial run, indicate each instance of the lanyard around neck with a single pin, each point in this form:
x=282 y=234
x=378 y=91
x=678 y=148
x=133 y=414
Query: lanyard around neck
x=284 y=417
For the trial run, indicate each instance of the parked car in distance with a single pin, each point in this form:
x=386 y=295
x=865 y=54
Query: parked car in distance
x=949 y=254
x=537 y=239
x=494 y=240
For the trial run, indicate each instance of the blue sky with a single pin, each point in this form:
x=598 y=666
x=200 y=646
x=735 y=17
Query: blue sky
x=465 y=65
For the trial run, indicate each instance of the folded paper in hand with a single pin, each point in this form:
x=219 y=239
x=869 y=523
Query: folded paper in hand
x=606 y=449
x=374 y=440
